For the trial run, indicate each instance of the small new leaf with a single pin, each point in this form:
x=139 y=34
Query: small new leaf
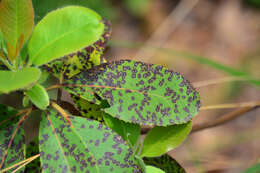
x=39 y=96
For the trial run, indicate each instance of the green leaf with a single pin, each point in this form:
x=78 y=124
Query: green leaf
x=14 y=80
x=128 y=131
x=62 y=32
x=166 y=163
x=254 y=169
x=137 y=92
x=39 y=96
x=152 y=169
x=26 y=101
x=88 y=109
x=12 y=150
x=86 y=58
x=160 y=140
x=16 y=23
x=81 y=147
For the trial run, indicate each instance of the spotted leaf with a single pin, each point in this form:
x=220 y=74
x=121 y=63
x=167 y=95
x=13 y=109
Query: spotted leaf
x=128 y=131
x=137 y=92
x=12 y=144
x=88 y=109
x=84 y=146
x=165 y=163
x=86 y=58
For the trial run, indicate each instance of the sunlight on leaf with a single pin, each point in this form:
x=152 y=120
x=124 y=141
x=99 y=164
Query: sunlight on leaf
x=62 y=32
x=14 y=80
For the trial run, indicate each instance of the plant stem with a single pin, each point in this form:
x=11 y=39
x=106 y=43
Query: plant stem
x=223 y=119
x=61 y=111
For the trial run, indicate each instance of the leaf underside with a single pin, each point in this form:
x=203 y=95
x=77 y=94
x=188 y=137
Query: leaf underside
x=16 y=152
x=137 y=92
x=86 y=146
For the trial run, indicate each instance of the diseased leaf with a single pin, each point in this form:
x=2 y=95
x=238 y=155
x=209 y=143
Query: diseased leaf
x=39 y=96
x=137 y=92
x=16 y=23
x=128 y=131
x=31 y=150
x=86 y=146
x=62 y=32
x=199 y=59
x=166 y=163
x=86 y=58
x=14 y=80
x=88 y=109
x=160 y=140
x=14 y=153
x=151 y=169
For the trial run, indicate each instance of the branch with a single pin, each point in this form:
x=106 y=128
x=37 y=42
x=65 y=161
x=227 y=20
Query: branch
x=224 y=119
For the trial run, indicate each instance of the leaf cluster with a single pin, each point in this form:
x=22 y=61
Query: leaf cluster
x=100 y=130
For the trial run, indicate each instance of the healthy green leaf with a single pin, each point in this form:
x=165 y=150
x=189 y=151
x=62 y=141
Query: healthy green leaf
x=62 y=32
x=160 y=140
x=14 y=153
x=254 y=169
x=152 y=169
x=14 y=80
x=137 y=92
x=83 y=146
x=128 y=131
x=166 y=163
x=16 y=23
x=39 y=96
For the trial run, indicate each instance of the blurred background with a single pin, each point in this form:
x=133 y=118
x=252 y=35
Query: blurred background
x=213 y=43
